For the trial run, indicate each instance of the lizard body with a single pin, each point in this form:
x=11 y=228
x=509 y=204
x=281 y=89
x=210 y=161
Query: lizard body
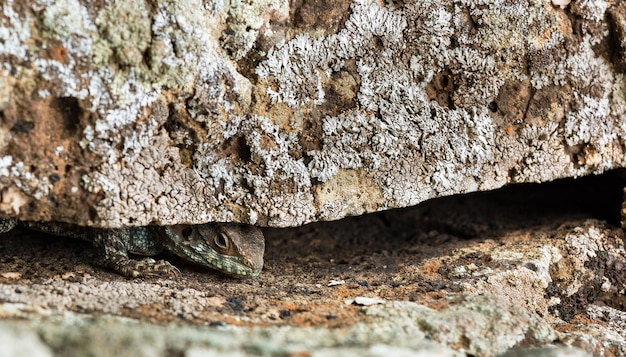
x=235 y=249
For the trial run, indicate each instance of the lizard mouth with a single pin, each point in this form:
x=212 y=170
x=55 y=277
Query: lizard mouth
x=236 y=266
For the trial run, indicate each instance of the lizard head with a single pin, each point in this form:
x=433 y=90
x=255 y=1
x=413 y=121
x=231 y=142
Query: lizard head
x=233 y=248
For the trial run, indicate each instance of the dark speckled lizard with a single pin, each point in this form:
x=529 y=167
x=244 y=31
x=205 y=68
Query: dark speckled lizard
x=235 y=249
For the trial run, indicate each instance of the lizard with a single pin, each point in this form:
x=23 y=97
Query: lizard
x=233 y=248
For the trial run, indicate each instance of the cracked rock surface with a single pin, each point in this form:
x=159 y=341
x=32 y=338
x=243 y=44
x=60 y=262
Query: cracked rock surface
x=279 y=113
x=531 y=270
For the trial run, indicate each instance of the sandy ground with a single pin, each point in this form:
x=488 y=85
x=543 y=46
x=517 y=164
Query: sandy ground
x=312 y=272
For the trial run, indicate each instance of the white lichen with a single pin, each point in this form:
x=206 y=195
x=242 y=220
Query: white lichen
x=539 y=151
x=247 y=21
x=24 y=183
x=5 y=165
x=593 y=10
x=14 y=32
x=270 y=153
x=300 y=82
x=65 y=18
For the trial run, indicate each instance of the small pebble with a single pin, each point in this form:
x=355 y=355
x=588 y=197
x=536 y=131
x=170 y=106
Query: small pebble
x=336 y=282
x=364 y=301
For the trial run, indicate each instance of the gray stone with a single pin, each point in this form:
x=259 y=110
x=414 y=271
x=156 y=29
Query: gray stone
x=547 y=352
x=277 y=113
x=18 y=340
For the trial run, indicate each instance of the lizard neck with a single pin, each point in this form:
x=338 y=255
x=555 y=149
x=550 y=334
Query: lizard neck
x=144 y=240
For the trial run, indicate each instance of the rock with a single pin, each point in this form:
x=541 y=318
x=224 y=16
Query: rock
x=280 y=113
x=18 y=340
x=547 y=352
x=525 y=270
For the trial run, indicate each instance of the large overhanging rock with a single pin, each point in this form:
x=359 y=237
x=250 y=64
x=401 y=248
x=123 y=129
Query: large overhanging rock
x=281 y=113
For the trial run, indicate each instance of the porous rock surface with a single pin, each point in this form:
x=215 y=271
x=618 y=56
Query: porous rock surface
x=517 y=272
x=279 y=113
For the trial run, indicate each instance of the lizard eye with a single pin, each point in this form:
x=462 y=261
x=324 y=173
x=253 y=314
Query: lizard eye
x=221 y=241
x=187 y=232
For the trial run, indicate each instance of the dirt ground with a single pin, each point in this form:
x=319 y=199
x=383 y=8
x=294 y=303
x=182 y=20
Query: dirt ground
x=311 y=271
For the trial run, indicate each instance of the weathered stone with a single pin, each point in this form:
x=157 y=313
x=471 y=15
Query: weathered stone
x=281 y=113
x=525 y=270
x=20 y=340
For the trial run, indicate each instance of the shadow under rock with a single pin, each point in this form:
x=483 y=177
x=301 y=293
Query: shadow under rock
x=419 y=232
